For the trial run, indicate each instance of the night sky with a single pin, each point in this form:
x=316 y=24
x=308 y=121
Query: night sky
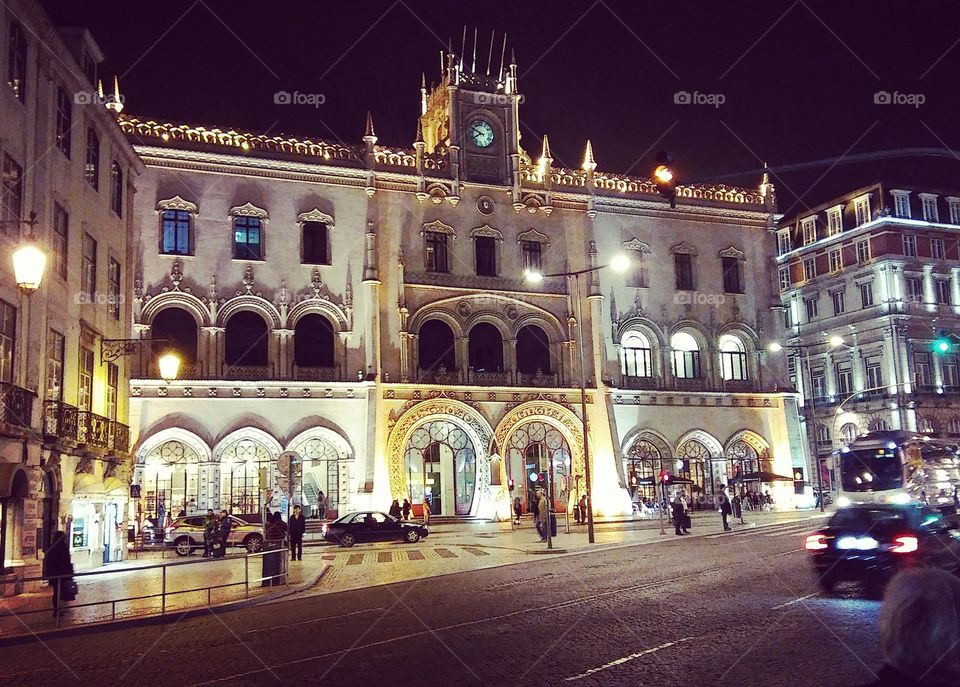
x=798 y=80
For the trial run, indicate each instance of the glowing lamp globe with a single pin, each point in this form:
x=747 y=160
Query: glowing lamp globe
x=29 y=262
x=169 y=365
x=620 y=263
x=533 y=276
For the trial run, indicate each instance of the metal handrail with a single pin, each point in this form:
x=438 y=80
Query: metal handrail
x=164 y=593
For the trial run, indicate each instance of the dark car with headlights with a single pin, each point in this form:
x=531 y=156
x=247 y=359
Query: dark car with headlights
x=372 y=526
x=869 y=543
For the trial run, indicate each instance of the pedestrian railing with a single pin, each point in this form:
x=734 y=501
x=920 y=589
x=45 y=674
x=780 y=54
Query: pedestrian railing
x=273 y=572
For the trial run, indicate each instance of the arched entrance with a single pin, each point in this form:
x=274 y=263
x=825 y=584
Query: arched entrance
x=242 y=457
x=697 y=459
x=322 y=453
x=441 y=465
x=642 y=464
x=539 y=450
x=169 y=480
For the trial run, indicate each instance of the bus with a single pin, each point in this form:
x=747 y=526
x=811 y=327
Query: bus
x=899 y=467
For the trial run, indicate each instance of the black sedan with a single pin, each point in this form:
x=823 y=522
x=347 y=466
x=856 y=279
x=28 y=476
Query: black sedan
x=371 y=526
x=869 y=543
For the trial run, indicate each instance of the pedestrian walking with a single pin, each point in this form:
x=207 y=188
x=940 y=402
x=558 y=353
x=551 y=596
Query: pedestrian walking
x=517 y=510
x=395 y=509
x=542 y=523
x=407 y=507
x=209 y=531
x=676 y=512
x=298 y=525
x=57 y=565
x=426 y=511
x=725 y=509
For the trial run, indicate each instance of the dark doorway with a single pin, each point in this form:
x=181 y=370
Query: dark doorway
x=486 y=348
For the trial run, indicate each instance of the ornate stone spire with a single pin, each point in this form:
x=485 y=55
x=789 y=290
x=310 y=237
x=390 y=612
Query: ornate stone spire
x=589 y=164
x=115 y=102
x=369 y=135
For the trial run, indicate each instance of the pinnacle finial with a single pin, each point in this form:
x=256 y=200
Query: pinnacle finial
x=766 y=175
x=423 y=81
x=419 y=138
x=369 y=133
x=100 y=90
x=589 y=164
x=115 y=103
x=545 y=151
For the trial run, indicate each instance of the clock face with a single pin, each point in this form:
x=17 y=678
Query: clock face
x=481 y=133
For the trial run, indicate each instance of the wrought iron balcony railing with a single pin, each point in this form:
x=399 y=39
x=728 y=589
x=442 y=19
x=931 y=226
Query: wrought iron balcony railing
x=65 y=422
x=16 y=405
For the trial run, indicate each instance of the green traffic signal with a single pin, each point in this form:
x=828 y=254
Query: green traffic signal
x=942 y=345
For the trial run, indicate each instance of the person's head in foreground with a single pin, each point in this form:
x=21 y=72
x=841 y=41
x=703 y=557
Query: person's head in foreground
x=920 y=627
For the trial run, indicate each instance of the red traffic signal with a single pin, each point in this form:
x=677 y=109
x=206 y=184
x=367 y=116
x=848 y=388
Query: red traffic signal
x=664 y=477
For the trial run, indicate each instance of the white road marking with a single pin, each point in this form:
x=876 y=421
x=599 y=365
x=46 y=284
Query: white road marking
x=625 y=659
x=795 y=601
x=314 y=620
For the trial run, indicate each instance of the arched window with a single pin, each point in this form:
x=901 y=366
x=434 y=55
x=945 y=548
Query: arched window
x=240 y=466
x=733 y=358
x=686 y=356
x=246 y=340
x=636 y=356
x=849 y=433
x=693 y=461
x=926 y=425
x=313 y=342
x=879 y=425
x=823 y=434
x=486 y=348
x=441 y=466
x=175 y=331
x=642 y=466
x=170 y=481
x=436 y=346
x=533 y=350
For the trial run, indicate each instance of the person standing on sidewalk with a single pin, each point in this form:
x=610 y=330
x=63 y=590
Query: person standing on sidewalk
x=426 y=511
x=542 y=519
x=725 y=509
x=209 y=531
x=679 y=516
x=56 y=564
x=517 y=510
x=298 y=525
x=406 y=508
x=321 y=505
x=224 y=527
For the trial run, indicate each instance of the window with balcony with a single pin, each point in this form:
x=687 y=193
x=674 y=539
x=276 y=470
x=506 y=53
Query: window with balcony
x=874 y=370
x=636 y=355
x=834 y=221
x=683 y=271
x=11 y=196
x=910 y=245
x=936 y=249
x=686 y=356
x=863 y=252
x=533 y=351
x=929 y=205
x=246 y=340
x=85 y=386
x=8 y=341
x=175 y=329
x=91 y=165
x=17 y=61
x=866 y=294
x=64 y=120
x=88 y=274
x=733 y=358
x=838 y=304
x=315 y=244
x=436 y=347
x=114 y=297
x=435 y=245
x=836 y=261
x=313 y=343
x=485 y=348
x=247 y=238
x=485 y=256
x=844 y=372
x=112 y=390
x=60 y=240
x=54 y=368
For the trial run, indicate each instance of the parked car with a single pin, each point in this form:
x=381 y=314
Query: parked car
x=186 y=535
x=869 y=543
x=370 y=526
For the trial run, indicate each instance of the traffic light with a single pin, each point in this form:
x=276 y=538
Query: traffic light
x=665 y=178
x=943 y=344
x=664 y=477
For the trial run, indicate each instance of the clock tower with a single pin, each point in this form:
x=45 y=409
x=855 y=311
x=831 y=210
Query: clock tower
x=473 y=115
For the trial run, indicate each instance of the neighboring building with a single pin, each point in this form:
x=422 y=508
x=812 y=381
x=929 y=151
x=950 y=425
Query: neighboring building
x=64 y=439
x=365 y=307
x=879 y=267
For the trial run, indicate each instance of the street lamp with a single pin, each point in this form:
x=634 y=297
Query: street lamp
x=169 y=364
x=775 y=347
x=29 y=263
x=619 y=263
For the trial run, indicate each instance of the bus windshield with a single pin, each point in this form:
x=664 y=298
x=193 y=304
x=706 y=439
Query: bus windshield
x=875 y=469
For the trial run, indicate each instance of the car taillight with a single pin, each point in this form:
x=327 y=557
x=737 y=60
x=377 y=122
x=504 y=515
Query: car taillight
x=816 y=542
x=905 y=544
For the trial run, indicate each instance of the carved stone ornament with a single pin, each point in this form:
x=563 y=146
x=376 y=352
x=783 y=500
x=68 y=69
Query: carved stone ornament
x=249 y=210
x=438 y=227
x=487 y=231
x=637 y=245
x=533 y=235
x=176 y=274
x=316 y=215
x=177 y=203
x=732 y=252
x=684 y=247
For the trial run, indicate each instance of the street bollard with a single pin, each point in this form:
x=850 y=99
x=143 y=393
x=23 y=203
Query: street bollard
x=163 y=592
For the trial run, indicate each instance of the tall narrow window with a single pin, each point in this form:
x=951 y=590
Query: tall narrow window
x=91 y=167
x=64 y=120
x=914 y=290
x=314 y=244
x=638 y=274
x=784 y=277
x=17 y=61
x=844 y=371
x=954 y=205
x=11 y=195
x=836 y=261
x=930 y=211
x=532 y=261
x=863 y=252
x=54 y=375
x=834 y=221
x=113 y=386
x=732 y=275
x=8 y=340
x=686 y=356
x=60 y=243
x=866 y=294
x=85 y=387
x=936 y=249
x=636 y=356
x=116 y=188
x=810 y=268
x=88 y=275
x=247 y=238
x=113 y=282
x=175 y=232
x=943 y=291
x=485 y=249
x=683 y=271
x=901 y=204
x=874 y=372
x=813 y=308
x=435 y=245
x=838 y=302
x=861 y=208
x=922 y=369
x=910 y=245
x=808 y=227
x=783 y=242
x=733 y=358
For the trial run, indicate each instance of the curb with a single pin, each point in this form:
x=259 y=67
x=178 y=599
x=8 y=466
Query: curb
x=173 y=617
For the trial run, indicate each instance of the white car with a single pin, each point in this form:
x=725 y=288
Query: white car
x=186 y=535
